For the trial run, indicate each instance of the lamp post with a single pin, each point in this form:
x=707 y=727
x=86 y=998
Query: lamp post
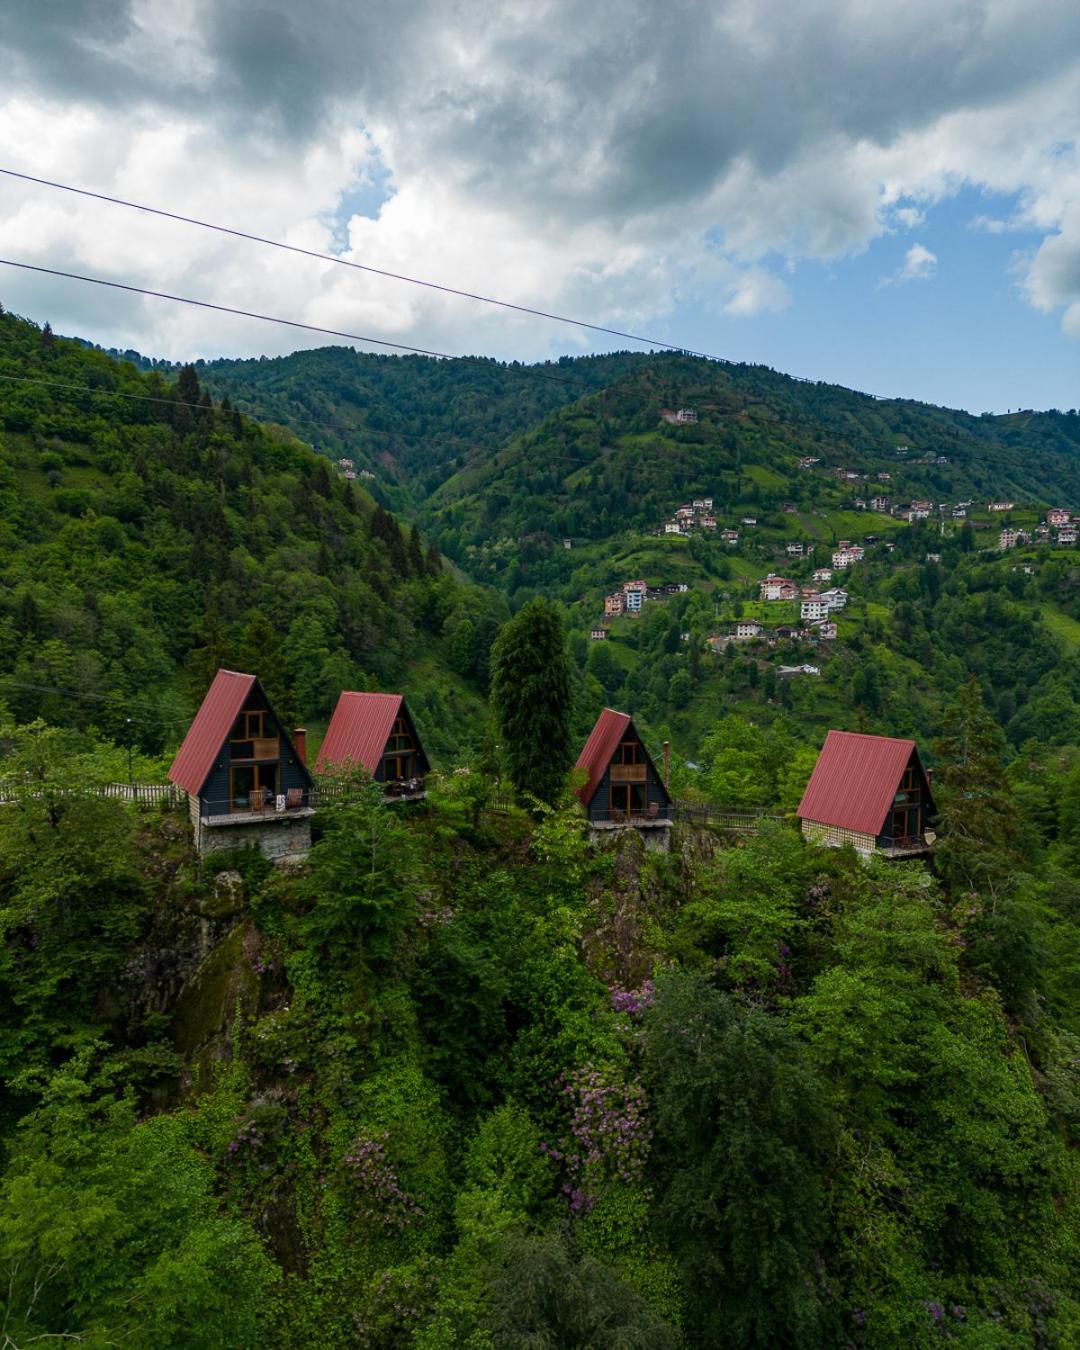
x=128 y=720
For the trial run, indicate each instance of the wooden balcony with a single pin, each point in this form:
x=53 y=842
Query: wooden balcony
x=265 y=747
x=629 y=773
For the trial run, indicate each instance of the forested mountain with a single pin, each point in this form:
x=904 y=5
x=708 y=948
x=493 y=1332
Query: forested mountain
x=150 y=535
x=463 y=1077
x=412 y=420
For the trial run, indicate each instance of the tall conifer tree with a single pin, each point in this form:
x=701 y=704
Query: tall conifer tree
x=532 y=695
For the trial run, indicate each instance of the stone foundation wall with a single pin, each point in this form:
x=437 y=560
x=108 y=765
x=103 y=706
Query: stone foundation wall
x=278 y=839
x=656 y=839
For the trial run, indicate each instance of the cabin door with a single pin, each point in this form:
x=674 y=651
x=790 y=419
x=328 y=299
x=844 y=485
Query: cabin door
x=250 y=784
x=905 y=822
x=627 y=799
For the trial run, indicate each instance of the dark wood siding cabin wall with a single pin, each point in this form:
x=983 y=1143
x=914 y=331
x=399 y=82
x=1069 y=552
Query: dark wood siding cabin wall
x=223 y=792
x=628 y=788
x=910 y=817
x=628 y=784
x=403 y=756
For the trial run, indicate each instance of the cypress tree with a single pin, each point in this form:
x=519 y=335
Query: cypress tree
x=976 y=817
x=531 y=692
x=416 y=553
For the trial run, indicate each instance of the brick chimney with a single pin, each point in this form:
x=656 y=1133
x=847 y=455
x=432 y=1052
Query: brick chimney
x=299 y=739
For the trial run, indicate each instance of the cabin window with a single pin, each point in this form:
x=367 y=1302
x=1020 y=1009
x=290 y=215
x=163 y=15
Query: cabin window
x=629 y=752
x=250 y=725
x=400 y=737
x=628 y=799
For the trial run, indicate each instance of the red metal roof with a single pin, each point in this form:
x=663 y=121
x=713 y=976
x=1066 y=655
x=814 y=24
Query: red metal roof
x=207 y=734
x=601 y=745
x=855 y=780
x=358 y=731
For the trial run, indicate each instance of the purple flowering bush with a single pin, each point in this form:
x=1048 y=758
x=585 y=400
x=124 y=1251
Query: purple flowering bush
x=608 y=1138
x=377 y=1188
x=632 y=1001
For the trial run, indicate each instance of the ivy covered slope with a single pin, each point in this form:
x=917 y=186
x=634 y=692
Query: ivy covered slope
x=144 y=541
x=465 y=1081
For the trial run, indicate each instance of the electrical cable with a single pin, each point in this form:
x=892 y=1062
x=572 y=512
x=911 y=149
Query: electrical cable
x=359 y=267
x=272 y=318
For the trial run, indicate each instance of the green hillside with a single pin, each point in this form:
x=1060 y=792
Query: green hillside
x=146 y=541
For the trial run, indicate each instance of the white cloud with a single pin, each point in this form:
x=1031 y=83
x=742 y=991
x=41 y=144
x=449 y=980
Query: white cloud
x=583 y=159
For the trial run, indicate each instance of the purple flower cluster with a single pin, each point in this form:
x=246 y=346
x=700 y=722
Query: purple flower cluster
x=632 y=1001
x=247 y=1140
x=609 y=1135
x=381 y=1195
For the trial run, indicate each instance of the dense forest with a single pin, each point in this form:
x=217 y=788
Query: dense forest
x=464 y=1076
x=150 y=535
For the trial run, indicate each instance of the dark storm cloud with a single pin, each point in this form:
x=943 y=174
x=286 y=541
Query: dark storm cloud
x=601 y=110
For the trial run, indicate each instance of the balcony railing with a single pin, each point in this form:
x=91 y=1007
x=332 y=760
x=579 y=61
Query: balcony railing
x=653 y=814
x=628 y=773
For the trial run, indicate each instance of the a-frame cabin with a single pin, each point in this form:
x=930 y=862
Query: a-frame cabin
x=623 y=787
x=871 y=792
x=246 y=779
x=375 y=731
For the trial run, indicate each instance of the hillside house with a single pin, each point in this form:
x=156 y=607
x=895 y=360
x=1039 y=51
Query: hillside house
x=598 y=634
x=707 y=522
x=942 y=459
x=959 y=513
x=999 y=506
x=614 y=603
x=623 y=788
x=870 y=792
x=812 y=609
x=680 y=417
x=375 y=732
x=834 y=598
x=823 y=574
x=880 y=505
x=1057 y=515
x=785 y=672
x=749 y=520
x=846 y=557
x=788 y=508
x=246 y=778
x=674 y=527
x=1010 y=538
x=826 y=630
x=747 y=629
x=345 y=463
x=808 y=461
x=777 y=588
x=729 y=536
x=350 y=475
x=860 y=503
x=634 y=600
x=702 y=503
x=795 y=550
x=1067 y=535
x=933 y=557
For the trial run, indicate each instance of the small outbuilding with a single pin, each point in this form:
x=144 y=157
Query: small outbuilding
x=871 y=792
x=623 y=787
x=376 y=732
x=246 y=779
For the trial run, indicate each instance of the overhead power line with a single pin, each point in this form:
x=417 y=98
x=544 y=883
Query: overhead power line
x=359 y=267
x=272 y=318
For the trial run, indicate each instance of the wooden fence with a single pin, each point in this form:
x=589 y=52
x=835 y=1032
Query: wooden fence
x=741 y=820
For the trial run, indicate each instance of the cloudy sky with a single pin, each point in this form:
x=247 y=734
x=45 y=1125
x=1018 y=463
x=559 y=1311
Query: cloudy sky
x=885 y=195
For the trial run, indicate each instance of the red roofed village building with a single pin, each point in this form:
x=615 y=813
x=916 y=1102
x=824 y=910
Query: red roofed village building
x=246 y=778
x=623 y=787
x=870 y=792
x=375 y=732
